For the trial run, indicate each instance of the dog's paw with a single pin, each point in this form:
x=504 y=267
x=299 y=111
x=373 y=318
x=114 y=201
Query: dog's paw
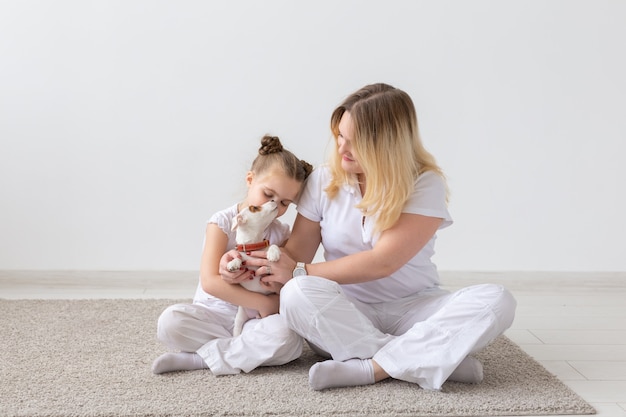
x=234 y=265
x=273 y=253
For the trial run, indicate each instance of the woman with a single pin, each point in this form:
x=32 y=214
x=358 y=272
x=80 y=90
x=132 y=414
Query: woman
x=374 y=306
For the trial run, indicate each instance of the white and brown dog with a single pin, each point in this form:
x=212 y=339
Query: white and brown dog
x=251 y=224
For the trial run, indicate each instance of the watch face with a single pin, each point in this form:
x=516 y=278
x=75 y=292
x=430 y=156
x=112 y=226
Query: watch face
x=299 y=270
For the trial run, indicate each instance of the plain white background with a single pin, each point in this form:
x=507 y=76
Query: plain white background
x=125 y=124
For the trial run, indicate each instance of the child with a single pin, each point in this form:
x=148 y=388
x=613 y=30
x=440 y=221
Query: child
x=202 y=331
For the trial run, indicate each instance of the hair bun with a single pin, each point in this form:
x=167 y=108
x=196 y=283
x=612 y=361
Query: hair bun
x=269 y=145
x=308 y=168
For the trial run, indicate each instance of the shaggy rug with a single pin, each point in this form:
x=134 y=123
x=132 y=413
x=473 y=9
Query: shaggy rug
x=93 y=357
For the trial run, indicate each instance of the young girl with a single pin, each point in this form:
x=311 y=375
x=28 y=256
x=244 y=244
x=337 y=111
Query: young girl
x=202 y=331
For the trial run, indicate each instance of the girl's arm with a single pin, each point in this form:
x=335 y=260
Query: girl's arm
x=393 y=250
x=212 y=282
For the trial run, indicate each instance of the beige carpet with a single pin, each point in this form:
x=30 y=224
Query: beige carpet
x=92 y=358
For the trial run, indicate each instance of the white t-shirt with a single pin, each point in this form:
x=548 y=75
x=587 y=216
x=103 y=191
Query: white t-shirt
x=277 y=233
x=343 y=232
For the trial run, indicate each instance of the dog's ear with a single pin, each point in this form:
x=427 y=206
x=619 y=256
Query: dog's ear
x=238 y=220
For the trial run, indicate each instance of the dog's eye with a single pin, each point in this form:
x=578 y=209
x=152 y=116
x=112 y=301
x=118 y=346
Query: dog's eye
x=254 y=209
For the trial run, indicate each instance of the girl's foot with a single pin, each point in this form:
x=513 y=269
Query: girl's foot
x=181 y=361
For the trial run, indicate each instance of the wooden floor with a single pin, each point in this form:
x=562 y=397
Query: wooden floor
x=572 y=323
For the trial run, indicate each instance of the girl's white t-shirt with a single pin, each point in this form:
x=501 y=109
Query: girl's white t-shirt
x=277 y=233
x=344 y=232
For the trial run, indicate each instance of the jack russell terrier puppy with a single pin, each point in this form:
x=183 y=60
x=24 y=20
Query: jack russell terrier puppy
x=251 y=223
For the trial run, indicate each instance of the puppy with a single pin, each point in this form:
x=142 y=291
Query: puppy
x=251 y=223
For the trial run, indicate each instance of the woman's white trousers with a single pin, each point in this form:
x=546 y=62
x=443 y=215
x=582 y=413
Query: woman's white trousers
x=421 y=338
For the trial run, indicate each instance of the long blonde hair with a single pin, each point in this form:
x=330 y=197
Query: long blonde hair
x=388 y=147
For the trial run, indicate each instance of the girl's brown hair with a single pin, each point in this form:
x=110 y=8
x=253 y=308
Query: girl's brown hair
x=273 y=155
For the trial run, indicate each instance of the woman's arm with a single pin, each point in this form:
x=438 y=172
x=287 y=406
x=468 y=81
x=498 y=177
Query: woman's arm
x=394 y=249
x=212 y=282
x=305 y=239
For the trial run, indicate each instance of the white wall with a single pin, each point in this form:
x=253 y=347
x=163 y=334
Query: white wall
x=125 y=124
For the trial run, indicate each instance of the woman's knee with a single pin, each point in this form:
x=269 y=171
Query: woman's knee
x=303 y=297
x=506 y=307
x=307 y=291
x=288 y=294
x=501 y=302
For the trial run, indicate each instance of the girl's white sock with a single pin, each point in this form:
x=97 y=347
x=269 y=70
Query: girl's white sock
x=331 y=374
x=181 y=361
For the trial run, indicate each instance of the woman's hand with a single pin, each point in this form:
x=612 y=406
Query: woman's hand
x=235 y=277
x=278 y=272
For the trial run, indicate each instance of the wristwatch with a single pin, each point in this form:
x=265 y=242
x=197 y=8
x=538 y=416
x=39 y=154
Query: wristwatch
x=299 y=270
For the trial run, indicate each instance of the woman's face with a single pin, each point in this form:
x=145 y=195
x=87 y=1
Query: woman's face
x=349 y=161
x=274 y=185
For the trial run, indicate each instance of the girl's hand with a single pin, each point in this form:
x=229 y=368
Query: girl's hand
x=234 y=277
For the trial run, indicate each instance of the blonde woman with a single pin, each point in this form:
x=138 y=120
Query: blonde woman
x=375 y=306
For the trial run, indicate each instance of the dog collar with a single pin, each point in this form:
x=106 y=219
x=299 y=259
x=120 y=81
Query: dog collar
x=253 y=246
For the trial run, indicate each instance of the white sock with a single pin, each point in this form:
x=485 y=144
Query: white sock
x=331 y=374
x=470 y=371
x=181 y=361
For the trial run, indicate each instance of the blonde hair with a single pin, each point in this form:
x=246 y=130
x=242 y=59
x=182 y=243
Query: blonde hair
x=388 y=147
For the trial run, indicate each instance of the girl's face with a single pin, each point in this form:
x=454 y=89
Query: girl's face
x=349 y=161
x=273 y=185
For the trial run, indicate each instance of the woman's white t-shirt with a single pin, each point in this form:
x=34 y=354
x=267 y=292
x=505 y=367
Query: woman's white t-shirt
x=344 y=232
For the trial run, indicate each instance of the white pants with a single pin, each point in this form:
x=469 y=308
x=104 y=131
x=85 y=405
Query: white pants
x=421 y=338
x=208 y=332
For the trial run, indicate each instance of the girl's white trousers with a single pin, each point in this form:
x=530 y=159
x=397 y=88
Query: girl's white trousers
x=208 y=332
x=421 y=338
